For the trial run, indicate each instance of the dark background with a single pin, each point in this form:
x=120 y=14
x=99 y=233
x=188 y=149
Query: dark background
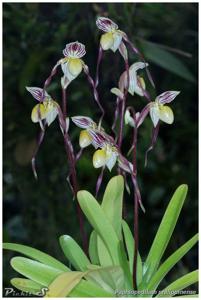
x=36 y=213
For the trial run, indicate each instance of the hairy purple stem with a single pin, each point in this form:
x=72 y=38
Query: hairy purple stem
x=123 y=107
x=136 y=232
x=99 y=181
x=73 y=175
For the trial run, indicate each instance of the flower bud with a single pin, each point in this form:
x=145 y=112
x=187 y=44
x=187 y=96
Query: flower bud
x=128 y=119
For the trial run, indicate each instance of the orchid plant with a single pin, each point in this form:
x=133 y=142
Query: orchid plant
x=111 y=263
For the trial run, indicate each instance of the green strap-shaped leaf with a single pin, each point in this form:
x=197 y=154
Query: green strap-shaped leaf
x=170 y=262
x=179 y=284
x=28 y=286
x=74 y=253
x=100 y=223
x=165 y=231
x=112 y=202
x=129 y=242
x=166 y=60
x=103 y=254
x=89 y=289
x=125 y=266
x=63 y=284
x=93 y=250
x=36 y=254
x=82 y=289
x=34 y=270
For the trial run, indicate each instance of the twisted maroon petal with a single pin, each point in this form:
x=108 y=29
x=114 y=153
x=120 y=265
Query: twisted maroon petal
x=153 y=141
x=98 y=138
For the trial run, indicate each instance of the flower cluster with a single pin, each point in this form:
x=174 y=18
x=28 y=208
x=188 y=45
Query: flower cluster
x=46 y=109
x=107 y=150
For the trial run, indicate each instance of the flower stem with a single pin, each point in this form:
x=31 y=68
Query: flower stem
x=136 y=239
x=136 y=202
x=73 y=173
x=123 y=105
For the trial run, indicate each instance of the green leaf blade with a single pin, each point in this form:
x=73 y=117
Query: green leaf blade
x=36 y=271
x=165 y=231
x=74 y=253
x=100 y=223
x=129 y=242
x=113 y=201
x=179 y=284
x=37 y=255
x=168 y=264
x=166 y=60
x=93 y=249
x=27 y=286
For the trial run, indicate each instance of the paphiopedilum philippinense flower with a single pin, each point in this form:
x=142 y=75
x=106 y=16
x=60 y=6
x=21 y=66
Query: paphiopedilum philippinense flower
x=112 y=37
x=86 y=123
x=107 y=154
x=160 y=111
x=72 y=64
x=136 y=83
x=46 y=110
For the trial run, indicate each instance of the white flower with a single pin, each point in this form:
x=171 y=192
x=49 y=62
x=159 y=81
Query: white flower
x=72 y=64
x=112 y=37
x=136 y=83
x=159 y=111
x=46 y=110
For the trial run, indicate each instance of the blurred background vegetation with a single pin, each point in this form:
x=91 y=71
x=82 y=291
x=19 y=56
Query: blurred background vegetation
x=36 y=213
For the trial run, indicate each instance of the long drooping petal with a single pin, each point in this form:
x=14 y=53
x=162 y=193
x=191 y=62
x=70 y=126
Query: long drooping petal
x=143 y=115
x=153 y=141
x=39 y=142
x=99 y=181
